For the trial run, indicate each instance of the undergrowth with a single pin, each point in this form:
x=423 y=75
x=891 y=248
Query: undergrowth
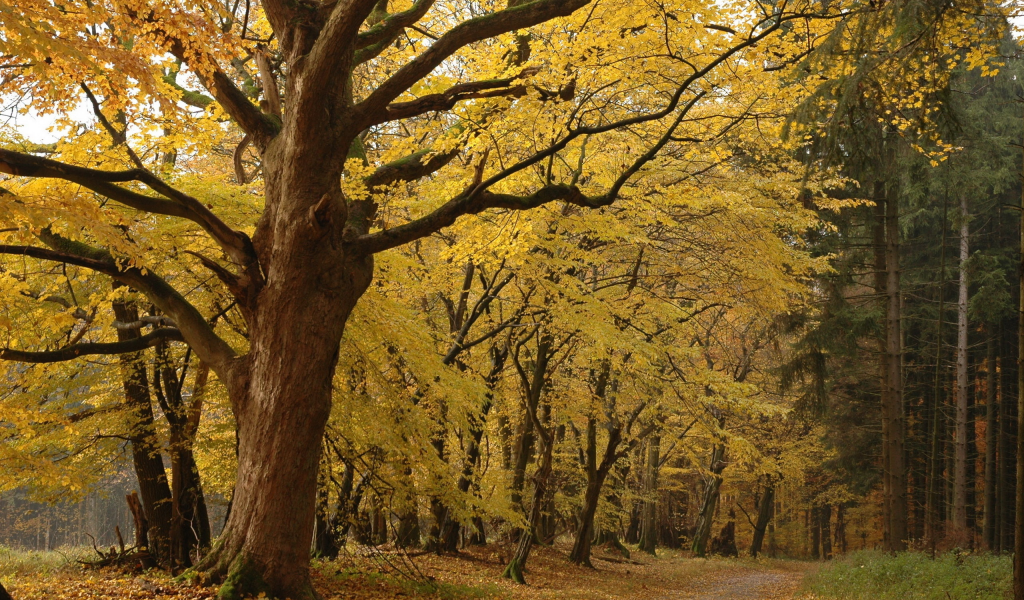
x=34 y=562
x=913 y=576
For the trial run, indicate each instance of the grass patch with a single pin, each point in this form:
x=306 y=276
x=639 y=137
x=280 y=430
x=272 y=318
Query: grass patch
x=32 y=562
x=913 y=576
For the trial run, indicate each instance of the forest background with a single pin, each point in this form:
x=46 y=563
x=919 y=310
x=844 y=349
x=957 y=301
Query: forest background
x=734 y=277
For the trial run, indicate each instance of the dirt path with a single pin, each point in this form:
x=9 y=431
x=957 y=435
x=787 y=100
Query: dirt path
x=744 y=584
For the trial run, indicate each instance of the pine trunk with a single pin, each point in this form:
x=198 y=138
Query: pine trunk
x=880 y=284
x=990 y=527
x=931 y=512
x=1018 y=538
x=894 y=379
x=960 y=437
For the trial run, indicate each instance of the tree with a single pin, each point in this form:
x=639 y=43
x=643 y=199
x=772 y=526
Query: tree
x=343 y=76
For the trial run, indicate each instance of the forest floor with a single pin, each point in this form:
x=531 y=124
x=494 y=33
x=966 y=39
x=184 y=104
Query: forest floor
x=475 y=574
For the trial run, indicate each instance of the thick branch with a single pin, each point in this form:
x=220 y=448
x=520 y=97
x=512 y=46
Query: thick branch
x=249 y=117
x=195 y=329
x=332 y=51
x=468 y=203
x=447 y=99
x=372 y=42
x=409 y=168
x=468 y=32
x=108 y=348
x=179 y=204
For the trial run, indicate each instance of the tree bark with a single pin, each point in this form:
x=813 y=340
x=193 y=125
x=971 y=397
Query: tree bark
x=764 y=515
x=991 y=425
x=710 y=501
x=282 y=402
x=934 y=457
x=1018 y=540
x=596 y=475
x=517 y=566
x=825 y=515
x=149 y=466
x=880 y=283
x=894 y=378
x=960 y=437
x=649 y=514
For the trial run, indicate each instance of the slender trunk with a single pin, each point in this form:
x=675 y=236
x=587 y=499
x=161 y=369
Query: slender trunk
x=894 y=379
x=989 y=531
x=1007 y=445
x=408 y=533
x=325 y=544
x=764 y=515
x=149 y=466
x=1018 y=538
x=815 y=521
x=825 y=515
x=596 y=475
x=960 y=460
x=517 y=565
x=450 y=531
x=706 y=516
x=841 y=528
x=649 y=515
x=880 y=282
x=934 y=464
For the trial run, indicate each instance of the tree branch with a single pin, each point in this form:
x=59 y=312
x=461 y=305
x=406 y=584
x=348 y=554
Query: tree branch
x=249 y=117
x=476 y=198
x=469 y=202
x=106 y=348
x=409 y=168
x=374 y=107
x=196 y=331
x=447 y=99
x=372 y=42
x=235 y=243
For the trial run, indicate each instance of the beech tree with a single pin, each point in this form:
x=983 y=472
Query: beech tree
x=321 y=91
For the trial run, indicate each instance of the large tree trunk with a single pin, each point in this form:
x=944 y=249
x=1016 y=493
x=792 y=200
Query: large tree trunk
x=894 y=378
x=960 y=453
x=937 y=423
x=764 y=515
x=281 y=395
